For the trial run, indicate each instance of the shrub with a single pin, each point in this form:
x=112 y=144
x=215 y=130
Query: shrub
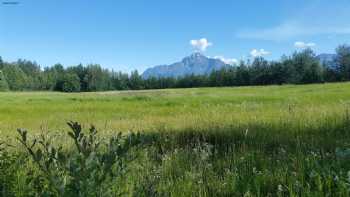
x=88 y=170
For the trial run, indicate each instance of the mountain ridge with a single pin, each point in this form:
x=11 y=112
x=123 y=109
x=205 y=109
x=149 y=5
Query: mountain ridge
x=196 y=64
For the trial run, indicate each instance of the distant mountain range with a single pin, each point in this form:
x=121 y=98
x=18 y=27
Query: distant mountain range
x=198 y=64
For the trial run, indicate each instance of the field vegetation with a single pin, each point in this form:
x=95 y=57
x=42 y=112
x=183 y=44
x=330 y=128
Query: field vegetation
x=151 y=110
x=248 y=141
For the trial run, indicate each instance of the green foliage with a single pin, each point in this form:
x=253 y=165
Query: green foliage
x=119 y=81
x=16 y=78
x=261 y=72
x=343 y=62
x=1 y=63
x=81 y=72
x=96 y=78
x=58 y=74
x=288 y=140
x=305 y=68
x=3 y=83
x=286 y=159
x=71 y=83
x=242 y=75
x=32 y=71
x=89 y=169
x=301 y=67
x=173 y=108
x=135 y=81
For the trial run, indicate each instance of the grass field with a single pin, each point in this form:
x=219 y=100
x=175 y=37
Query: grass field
x=173 y=108
x=244 y=141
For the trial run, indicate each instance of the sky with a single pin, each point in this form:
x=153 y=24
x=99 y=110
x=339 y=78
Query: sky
x=136 y=34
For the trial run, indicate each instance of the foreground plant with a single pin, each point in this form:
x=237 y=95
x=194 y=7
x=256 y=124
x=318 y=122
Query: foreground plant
x=87 y=170
x=260 y=160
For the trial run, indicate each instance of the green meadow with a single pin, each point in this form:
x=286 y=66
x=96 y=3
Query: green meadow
x=290 y=140
x=151 y=110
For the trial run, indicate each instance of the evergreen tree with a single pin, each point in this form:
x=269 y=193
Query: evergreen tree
x=120 y=81
x=279 y=73
x=16 y=78
x=56 y=75
x=260 y=72
x=304 y=67
x=299 y=68
x=97 y=79
x=343 y=62
x=3 y=83
x=1 y=63
x=71 y=83
x=242 y=75
x=135 y=81
x=81 y=72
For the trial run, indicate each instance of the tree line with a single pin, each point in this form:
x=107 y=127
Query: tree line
x=302 y=67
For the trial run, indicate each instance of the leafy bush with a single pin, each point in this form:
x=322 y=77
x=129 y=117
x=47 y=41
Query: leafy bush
x=89 y=169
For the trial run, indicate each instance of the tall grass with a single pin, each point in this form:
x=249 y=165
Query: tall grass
x=251 y=141
x=262 y=159
x=175 y=109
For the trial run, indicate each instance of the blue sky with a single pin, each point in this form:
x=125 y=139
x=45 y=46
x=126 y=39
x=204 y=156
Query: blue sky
x=136 y=34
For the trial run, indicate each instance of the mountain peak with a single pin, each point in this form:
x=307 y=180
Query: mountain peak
x=194 y=58
x=196 y=64
x=196 y=55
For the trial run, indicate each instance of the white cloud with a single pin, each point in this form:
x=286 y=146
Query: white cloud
x=289 y=30
x=306 y=22
x=201 y=44
x=259 y=53
x=231 y=61
x=303 y=45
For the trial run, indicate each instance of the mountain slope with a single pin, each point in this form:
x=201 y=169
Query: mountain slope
x=196 y=64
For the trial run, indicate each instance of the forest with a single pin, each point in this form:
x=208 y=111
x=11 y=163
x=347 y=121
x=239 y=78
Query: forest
x=302 y=67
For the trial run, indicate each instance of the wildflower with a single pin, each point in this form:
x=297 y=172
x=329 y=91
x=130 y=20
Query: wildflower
x=254 y=170
x=280 y=188
x=313 y=154
x=283 y=150
x=313 y=174
x=246 y=132
x=336 y=178
x=247 y=194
